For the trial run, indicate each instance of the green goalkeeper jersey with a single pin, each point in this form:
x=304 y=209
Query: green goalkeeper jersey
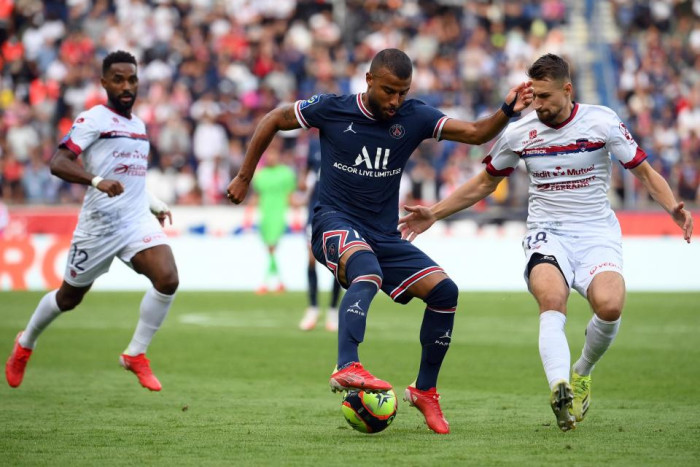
x=274 y=185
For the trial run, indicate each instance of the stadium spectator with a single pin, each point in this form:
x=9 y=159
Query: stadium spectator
x=251 y=56
x=657 y=64
x=248 y=57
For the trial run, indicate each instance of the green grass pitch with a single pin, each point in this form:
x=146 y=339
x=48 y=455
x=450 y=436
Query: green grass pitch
x=243 y=386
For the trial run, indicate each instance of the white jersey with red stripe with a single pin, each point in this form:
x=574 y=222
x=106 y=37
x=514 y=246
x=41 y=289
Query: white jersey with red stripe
x=569 y=164
x=116 y=148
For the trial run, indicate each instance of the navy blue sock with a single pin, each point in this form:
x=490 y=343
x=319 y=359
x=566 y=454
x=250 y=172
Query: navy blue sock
x=436 y=332
x=313 y=285
x=335 y=294
x=364 y=275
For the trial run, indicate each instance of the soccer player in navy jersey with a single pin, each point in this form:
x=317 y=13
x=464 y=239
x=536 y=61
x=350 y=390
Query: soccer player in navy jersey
x=366 y=140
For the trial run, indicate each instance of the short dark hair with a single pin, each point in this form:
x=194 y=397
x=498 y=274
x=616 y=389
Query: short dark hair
x=395 y=61
x=117 y=57
x=550 y=66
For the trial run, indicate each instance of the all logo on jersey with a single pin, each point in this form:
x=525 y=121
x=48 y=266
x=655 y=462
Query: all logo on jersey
x=370 y=165
x=397 y=131
x=310 y=101
x=379 y=163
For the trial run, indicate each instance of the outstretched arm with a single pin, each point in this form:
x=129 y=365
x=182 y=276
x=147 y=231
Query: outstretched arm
x=420 y=218
x=65 y=166
x=486 y=129
x=658 y=188
x=280 y=119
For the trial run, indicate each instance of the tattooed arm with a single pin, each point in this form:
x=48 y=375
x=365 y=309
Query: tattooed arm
x=280 y=119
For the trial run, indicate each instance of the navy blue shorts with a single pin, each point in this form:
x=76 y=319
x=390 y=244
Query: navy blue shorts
x=402 y=263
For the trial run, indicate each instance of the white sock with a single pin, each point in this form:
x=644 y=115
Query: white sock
x=154 y=309
x=554 y=348
x=46 y=311
x=332 y=316
x=599 y=335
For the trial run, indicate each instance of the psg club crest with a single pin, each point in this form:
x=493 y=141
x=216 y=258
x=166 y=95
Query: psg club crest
x=397 y=131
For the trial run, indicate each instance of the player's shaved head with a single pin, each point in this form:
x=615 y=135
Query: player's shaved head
x=549 y=67
x=393 y=60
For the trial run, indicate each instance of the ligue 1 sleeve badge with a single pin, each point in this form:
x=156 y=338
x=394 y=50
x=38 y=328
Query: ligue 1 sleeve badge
x=397 y=131
x=310 y=101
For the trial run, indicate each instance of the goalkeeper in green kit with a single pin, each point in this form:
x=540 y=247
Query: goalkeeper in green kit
x=274 y=185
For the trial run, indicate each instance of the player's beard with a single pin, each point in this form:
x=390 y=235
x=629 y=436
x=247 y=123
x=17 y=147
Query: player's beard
x=121 y=107
x=549 y=116
x=544 y=117
x=376 y=108
x=553 y=116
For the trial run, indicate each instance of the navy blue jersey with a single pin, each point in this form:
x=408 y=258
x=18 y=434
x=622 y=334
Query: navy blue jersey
x=362 y=159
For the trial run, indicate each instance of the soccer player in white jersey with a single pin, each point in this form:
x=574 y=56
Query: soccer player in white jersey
x=116 y=220
x=573 y=237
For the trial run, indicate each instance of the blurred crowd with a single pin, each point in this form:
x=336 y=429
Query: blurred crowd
x=210 y=69
x=657 y=62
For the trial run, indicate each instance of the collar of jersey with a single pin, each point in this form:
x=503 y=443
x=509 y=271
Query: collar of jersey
x=114 y=111
x=365 y=111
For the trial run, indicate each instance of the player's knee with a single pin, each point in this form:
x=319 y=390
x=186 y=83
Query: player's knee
x=363 y=265
x=444 y=296
x=168 y=283
x=67 y=302
x=608 y=310
x=551 y=301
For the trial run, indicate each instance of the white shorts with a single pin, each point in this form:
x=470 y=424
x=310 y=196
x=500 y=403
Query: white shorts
x=91 y=256
x=581 y=256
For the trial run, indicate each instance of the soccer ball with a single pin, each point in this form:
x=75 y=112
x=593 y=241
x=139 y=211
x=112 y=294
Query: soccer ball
x=370 y=412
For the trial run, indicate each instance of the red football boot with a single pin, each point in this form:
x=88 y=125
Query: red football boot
x=354 y=376
x=17 y=363
x=140 y=366
x=428 y=402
